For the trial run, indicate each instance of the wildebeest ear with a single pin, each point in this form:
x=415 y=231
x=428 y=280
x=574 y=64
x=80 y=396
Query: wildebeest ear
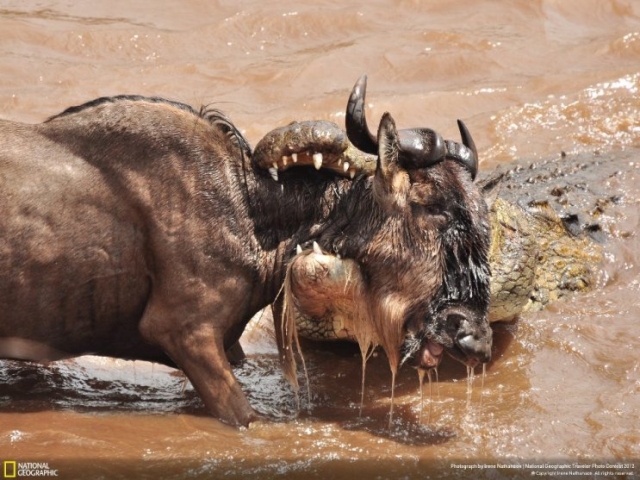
x=391 y=183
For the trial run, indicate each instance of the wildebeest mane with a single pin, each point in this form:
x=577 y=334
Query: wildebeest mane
x=217 y=118
x=212 y=115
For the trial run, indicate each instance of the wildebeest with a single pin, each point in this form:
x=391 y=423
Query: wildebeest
x=140 y=228
x=330 y=286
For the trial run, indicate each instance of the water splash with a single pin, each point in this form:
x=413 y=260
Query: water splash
x=601 y=116
x=470 y=378
x=421 y=374
x=393 y=388
x=482 y=392
x=365 y=354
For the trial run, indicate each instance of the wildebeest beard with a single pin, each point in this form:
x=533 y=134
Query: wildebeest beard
x=464 y=288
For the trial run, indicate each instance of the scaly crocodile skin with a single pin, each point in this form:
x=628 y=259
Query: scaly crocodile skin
x=535 y=260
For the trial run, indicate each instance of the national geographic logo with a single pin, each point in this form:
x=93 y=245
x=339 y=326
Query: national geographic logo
x=10 y=469
x=14 y=469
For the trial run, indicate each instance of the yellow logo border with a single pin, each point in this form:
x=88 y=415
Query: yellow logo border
x=5 y=470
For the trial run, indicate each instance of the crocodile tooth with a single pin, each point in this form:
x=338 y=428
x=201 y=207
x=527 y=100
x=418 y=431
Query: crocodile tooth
x=317 y=160
x=345 y=167
x=294 y=157
x=352 y=173
x=316 y=248
x=274 y=173
x=285 y=159
x=298 y=249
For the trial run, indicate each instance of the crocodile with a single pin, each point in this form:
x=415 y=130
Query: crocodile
x=550 y=221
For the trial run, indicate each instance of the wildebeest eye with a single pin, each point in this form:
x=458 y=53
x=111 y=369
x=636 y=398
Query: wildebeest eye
x=433 y=212
x=428 y=203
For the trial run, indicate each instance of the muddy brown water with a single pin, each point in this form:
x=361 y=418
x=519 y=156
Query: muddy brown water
x=530 y=78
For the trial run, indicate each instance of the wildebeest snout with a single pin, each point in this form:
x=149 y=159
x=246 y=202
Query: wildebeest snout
x=470 y=333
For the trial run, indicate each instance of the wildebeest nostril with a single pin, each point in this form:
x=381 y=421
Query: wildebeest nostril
x=469 y=335
x=476 y=348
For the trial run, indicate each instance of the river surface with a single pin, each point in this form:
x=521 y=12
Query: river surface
x=531 y=78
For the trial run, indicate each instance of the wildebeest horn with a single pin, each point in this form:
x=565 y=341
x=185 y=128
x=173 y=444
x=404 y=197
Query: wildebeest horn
x=422 y=147
x=357 y=130
x=465 y=153
x=419 y=147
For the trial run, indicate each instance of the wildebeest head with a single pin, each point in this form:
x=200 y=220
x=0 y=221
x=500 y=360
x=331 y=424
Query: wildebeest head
x=425 y=266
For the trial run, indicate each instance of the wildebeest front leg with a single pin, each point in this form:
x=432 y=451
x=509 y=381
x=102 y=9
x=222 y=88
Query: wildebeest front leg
x=235 y=354
x=197 y=347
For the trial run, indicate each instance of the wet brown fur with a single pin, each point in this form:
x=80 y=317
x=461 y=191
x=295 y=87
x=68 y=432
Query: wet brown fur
x=138 y=228
x=424 y=267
